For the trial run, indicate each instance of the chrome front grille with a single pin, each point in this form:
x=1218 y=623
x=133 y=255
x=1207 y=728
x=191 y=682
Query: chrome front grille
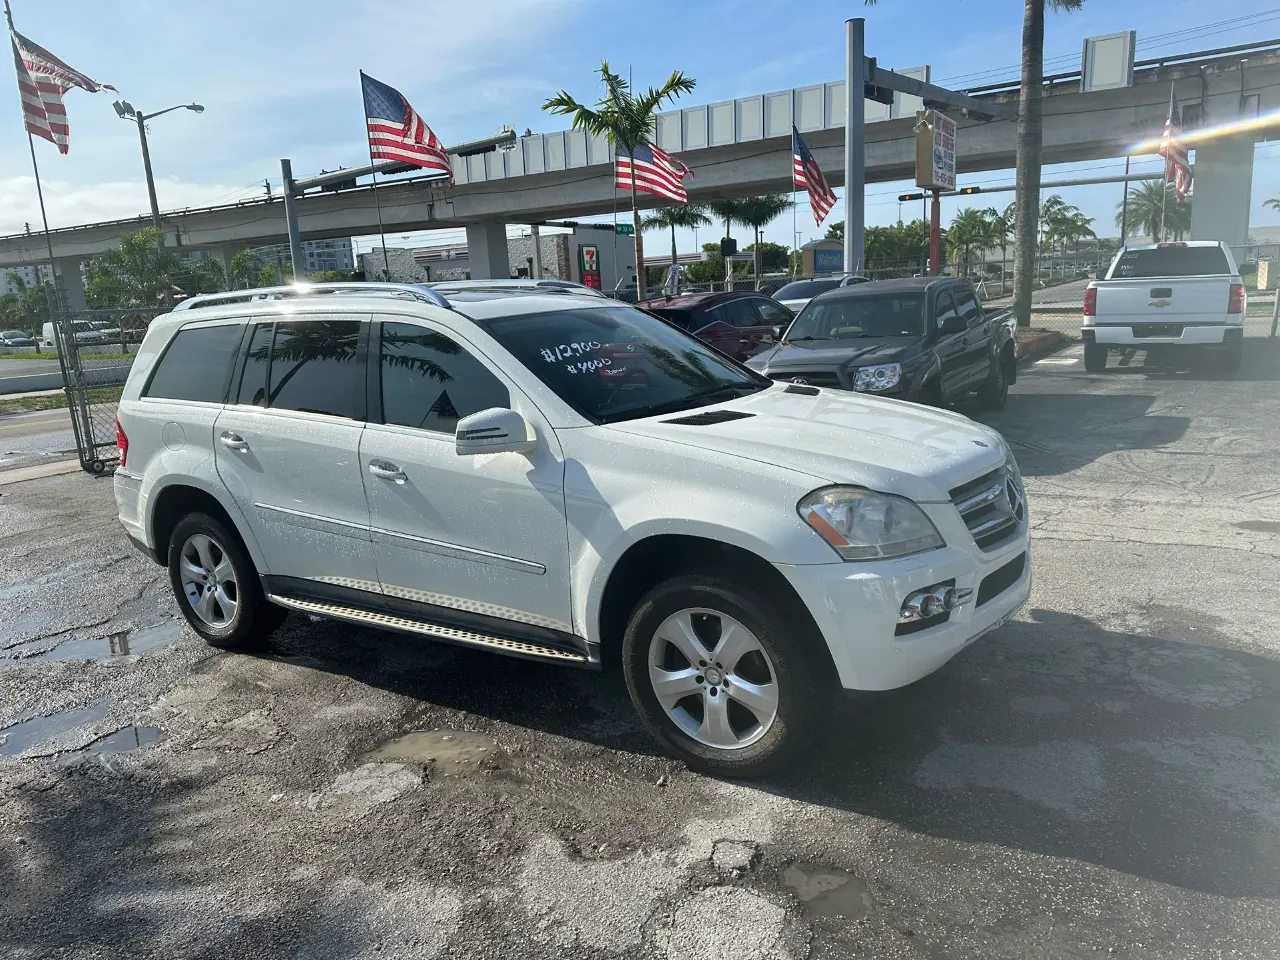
x=814 y=378
x=992 y=507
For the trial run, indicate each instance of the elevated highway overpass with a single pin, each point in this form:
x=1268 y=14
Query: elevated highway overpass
x=740 y=148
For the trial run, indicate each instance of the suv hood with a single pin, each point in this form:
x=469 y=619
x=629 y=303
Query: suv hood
x=833 y=355
x=839 y=437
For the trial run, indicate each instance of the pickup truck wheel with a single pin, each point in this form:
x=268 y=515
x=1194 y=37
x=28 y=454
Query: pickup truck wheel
x=216 y=584
x=1229 y=359
x=722 y=680
x=1095 y=357
x=995 y=391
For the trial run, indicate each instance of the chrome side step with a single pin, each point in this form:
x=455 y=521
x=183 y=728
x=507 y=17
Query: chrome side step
x=389 y=621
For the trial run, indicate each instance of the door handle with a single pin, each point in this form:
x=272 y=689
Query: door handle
x=386 y=471
x=233 y=441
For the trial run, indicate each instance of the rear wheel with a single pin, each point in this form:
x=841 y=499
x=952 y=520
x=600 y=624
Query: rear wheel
x=216 y=584
x=1095 y=357
x=727 y=683
x=995 y=391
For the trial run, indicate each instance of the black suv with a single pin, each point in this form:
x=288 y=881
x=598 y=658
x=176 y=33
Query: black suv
x=925 y=339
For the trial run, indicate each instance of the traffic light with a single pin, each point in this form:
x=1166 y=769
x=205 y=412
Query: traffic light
x=904 y=197
x=967 y=190
x=728 y=246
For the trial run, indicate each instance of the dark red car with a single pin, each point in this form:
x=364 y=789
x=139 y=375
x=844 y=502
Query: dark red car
x=738 y=324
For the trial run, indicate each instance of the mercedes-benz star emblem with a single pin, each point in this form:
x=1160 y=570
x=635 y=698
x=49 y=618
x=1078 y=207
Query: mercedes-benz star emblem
x=799 y=380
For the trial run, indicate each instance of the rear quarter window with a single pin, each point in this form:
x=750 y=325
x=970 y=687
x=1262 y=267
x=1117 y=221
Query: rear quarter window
x=196 y=365
x=1170 y=262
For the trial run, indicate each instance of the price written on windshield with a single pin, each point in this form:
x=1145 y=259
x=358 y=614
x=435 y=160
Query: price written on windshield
x=566 y=351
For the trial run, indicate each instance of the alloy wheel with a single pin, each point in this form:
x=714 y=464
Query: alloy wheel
x=713 y=678
x=209 y=580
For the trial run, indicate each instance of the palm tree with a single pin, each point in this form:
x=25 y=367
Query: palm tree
x=689 y=216
x=138 y=273
x=757 y=213
x=970 y=233
x=1153 y=203
x=245 y=268
x=1002 y=225
x=628 y=121
x=1027 y=198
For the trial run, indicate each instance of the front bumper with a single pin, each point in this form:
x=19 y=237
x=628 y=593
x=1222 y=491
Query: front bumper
x=856 y=607
x=1161 y=334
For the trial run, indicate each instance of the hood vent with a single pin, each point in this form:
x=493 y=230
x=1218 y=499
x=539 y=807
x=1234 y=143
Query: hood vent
x=804 y=391
x=710 y=417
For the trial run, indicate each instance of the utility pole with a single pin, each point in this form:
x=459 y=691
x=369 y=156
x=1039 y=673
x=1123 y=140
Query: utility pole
x=151 y=182
x=291 y=220
x=536 y=268
x=935 y=234
x=267 y=184
x=854 y=143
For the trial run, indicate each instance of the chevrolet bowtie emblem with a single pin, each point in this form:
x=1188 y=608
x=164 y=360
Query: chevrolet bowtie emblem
x=1158 y=303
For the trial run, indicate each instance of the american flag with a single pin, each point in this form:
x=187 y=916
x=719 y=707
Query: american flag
x=1177 y=170
x=42 y=80
x=396 y=132
x=656 y=172
x=807 y=175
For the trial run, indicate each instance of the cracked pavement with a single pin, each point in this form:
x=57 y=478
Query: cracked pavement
x=1099 y=777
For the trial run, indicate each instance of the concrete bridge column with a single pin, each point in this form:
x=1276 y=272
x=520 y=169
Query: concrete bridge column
x=487 y=250
x=70 y=283
x=1223 y=181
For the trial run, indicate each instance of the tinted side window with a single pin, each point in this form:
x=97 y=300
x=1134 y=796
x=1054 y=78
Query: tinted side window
x=737 y=313
x=253 y=381
x=196 y=365
x=968 y=306
x=945 y=308
x=431 y=382
x=314 y=368
x=773 y=313
x=681 y=318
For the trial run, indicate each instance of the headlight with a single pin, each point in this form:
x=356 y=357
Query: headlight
x=863 y=525
x=877 y=378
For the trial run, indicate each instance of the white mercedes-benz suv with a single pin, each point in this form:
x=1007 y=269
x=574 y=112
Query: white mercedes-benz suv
x=566 y=479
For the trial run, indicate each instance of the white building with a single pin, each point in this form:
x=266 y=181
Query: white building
x=27 y=275
x=318 y=255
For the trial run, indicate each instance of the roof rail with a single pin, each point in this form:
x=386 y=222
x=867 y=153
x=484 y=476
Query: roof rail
x=400 y=290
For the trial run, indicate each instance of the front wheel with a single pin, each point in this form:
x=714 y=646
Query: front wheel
x=995 y=392
x=723 y=680
x=1095 y=357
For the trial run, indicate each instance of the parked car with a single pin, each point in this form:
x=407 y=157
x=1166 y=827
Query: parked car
x=477 y=471
x=1184 y=299
x=86 y=332
x=738 y=324
x=799 y=292
x=16 y=338
x=923 y=339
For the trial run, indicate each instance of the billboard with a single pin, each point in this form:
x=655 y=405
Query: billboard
x=935 y=151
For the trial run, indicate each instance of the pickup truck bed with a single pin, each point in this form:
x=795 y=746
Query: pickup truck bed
x=1173 y=300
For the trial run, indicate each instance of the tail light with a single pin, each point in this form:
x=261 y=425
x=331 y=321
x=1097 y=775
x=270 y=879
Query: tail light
x=1235 y=302
x=1091 y=301
x=122 y=442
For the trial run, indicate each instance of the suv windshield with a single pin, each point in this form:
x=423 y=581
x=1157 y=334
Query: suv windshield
x=847 y=318
x=616 y=363
x=806 y=289
x=1171 y=261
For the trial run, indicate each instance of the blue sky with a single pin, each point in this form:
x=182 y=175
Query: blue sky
x=280 y=79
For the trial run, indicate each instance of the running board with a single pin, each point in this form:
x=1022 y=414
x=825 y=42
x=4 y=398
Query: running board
x=467 y=638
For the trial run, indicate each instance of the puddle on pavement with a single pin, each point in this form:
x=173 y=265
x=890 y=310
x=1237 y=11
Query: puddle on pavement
x=828 y=892
x=447 y=752
x=28 y=734
x=124 y=644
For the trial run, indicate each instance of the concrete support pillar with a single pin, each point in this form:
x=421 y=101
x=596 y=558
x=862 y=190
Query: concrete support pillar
x=1223 y=180
x=70 y=283
x=487 y=250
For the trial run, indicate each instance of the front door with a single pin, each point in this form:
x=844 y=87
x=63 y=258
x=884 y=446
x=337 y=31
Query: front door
x=977 y=337
x=773 y=315
x=950 y=345
x=287 y=449
x=481 y=534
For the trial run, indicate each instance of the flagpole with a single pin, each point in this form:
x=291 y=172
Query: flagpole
x=382 y=235
x=1164 y=193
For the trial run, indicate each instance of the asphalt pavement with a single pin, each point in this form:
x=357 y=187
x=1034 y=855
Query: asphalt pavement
x=36 y=437
x=1099 y=777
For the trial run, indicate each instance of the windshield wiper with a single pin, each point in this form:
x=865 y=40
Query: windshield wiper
x=807 y=337
x=726 y=392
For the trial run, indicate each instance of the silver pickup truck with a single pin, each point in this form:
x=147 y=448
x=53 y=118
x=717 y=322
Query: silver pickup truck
x=1167 y=298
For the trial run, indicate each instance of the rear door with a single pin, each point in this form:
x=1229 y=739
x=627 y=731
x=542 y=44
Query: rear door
x=736 y=326
x=288 y=448
x=977 y=336
x=950 y=344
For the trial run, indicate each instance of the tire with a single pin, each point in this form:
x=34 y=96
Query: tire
x=931 y=394
x=1095 y=357
x=206 y=559
x=1231 y=356
x=995 y=391
x=771 y=654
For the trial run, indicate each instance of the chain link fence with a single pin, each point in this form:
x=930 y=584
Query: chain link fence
x=95 y=352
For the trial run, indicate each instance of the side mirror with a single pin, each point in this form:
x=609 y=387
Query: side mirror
x=496 y=430
x=778 y=331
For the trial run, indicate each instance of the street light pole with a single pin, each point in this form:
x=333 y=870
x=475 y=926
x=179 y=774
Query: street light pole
x=151 y=180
